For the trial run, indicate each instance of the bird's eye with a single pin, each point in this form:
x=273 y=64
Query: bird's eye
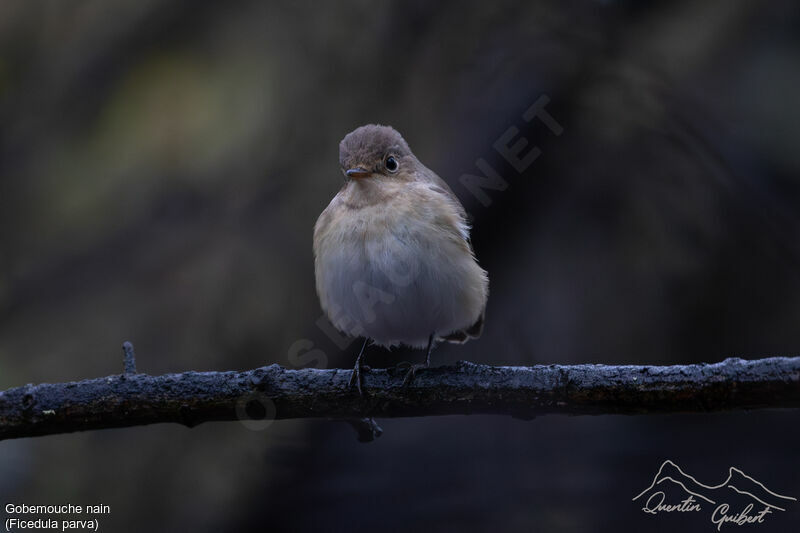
x=391 y=164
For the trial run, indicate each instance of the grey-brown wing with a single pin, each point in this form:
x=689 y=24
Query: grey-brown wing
x=441 y=186
x=438 y=185
x=437 y=182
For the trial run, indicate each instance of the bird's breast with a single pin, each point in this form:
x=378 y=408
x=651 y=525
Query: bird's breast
x=395 y=274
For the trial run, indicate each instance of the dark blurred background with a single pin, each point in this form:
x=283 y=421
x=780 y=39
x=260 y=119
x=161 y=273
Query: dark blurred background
x=162 y=164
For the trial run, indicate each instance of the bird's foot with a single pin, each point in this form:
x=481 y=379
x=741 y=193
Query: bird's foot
x=355 y=377
x=412 y=372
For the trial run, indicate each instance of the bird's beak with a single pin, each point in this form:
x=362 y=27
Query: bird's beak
x=357 y=172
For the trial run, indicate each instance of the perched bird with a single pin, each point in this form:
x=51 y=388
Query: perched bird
x=392 y=256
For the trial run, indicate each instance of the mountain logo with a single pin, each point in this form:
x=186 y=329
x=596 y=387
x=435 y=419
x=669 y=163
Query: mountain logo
x=739 y=500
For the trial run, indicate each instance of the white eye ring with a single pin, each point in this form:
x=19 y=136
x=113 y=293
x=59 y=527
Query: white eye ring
x=391 y=164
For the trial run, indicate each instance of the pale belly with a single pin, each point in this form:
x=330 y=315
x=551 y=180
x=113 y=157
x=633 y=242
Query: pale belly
x=399 y=285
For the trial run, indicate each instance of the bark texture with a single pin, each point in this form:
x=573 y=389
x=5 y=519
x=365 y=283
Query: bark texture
x=274 y=392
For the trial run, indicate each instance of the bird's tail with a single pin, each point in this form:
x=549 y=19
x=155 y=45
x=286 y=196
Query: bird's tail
x=463 y=335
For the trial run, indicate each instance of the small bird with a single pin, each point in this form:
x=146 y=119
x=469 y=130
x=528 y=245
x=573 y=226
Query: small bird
x=392 y=256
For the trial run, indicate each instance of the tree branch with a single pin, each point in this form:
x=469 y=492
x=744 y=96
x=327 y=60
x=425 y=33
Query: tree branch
x=275 y=392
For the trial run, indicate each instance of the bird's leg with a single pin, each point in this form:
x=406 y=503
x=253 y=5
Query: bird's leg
x=355 y=377
x=412 y=371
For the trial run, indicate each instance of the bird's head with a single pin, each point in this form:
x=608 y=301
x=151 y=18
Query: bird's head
x=375 y=152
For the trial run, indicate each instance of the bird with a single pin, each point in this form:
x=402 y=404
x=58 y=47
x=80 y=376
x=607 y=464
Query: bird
x=393 y=260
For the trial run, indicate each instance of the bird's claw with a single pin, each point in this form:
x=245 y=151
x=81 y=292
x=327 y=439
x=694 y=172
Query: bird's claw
x=412 y=372
x=355 y=377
